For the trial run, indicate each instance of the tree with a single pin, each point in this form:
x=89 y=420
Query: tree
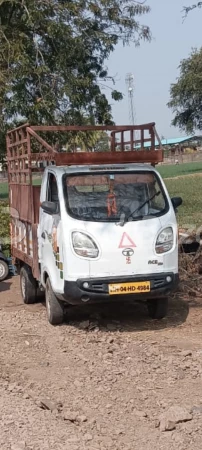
x=187 y=9
x=186 y=94
x=52 y=57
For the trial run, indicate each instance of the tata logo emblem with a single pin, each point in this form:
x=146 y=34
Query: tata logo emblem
x=128 y=252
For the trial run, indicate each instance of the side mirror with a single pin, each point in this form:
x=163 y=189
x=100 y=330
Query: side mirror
x=176 y=201
x=50 y=207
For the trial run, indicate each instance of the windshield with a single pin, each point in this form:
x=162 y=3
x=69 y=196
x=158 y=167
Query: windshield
x=114 y=196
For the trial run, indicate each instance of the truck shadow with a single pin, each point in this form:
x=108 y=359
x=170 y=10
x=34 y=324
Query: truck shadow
x=132 y=317
x=5 y=285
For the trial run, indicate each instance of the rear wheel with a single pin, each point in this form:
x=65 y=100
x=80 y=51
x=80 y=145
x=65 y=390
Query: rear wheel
x=4 y=270
x=28 y=286
x=55 y=309
x=158 y=308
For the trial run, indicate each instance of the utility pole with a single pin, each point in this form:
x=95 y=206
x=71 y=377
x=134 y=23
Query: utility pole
x=130 y=89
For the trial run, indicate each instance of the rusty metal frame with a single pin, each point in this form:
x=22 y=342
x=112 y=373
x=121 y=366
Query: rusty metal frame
x=20 y=156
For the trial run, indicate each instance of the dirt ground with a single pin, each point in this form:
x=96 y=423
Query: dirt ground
x=106 y=379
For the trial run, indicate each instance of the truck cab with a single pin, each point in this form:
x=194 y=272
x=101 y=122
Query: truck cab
x=105 y=233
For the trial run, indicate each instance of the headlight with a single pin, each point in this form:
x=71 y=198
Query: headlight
x=164 y=241
x=84 y=245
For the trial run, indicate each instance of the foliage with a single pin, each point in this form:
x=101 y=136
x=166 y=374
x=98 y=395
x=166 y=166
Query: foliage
x=187 y=9
x=186 y=94
x=103 y=143
x=5 y=228
x=52 y=57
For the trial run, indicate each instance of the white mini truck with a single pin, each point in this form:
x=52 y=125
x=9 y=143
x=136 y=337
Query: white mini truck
x=93 y=231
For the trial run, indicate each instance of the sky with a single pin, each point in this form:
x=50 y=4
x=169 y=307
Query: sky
x=155 y=65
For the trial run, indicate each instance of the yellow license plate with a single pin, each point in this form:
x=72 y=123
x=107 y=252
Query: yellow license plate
x=130 y=288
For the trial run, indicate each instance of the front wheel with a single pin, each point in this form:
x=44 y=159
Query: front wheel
x=54 y=308
x=158 y=308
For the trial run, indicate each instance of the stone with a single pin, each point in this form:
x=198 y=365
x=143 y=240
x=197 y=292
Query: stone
x=78 y=383
x=140 y=414
x=88 y=437
x=84 y=325
x=197 y=410
x=19 y=446
x=186 y=353
x=69 y=416
x=173 y=416
x=81 y=418
x=111 y=327
x=167 y=425
x=48 y=405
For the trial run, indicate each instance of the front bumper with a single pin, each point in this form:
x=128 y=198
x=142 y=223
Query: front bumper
x=97 y=291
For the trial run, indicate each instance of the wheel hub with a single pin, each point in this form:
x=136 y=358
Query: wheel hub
x=2 y=270
x=23 y=283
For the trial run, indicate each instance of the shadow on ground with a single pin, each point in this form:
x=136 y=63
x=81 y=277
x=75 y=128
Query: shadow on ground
x=5 y=286
x=131 y=316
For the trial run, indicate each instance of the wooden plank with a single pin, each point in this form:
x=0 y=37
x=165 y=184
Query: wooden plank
x=147 y=156
x=18 y=128
x=18 y=254
x=39 y=139
x=17 y=143
x=56 y=128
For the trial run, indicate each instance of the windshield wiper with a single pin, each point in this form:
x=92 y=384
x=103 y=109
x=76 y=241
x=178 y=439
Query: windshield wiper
x=139 y=209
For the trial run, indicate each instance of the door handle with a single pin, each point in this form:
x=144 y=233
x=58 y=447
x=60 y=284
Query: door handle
x=43 y=235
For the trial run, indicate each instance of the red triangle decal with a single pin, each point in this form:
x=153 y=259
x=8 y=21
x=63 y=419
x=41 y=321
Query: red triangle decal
x=126 y=241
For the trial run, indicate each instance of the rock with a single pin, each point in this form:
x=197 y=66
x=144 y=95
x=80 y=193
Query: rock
x=84 y=325
x=81 y=418
x=167 y=425
x=19 y=446
x=69 y=416
x=186 y=353
x=78 y=383
x=111 y=327
x=109 y=406
x=174 y=415
x=119 y=431
x=140 y=414
x=197 y=410
x=88 y=437
x=48 y=405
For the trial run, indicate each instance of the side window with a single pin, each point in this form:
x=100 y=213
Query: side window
x=158 y=202
x=52 y=189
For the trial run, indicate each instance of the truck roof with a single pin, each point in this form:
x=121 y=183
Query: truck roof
x=101 y=167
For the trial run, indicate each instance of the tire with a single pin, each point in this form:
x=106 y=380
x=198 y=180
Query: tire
x=158 y=308
x=4 y=270
x=28 y=286
x=54 y=308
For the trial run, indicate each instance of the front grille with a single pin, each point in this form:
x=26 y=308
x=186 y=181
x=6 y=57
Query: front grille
x=157 y=282
x=99 y=287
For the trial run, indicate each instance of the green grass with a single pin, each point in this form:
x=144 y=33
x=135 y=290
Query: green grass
x=3 y=191
x=180 y=169
x=4 y=188
x=189 y=188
